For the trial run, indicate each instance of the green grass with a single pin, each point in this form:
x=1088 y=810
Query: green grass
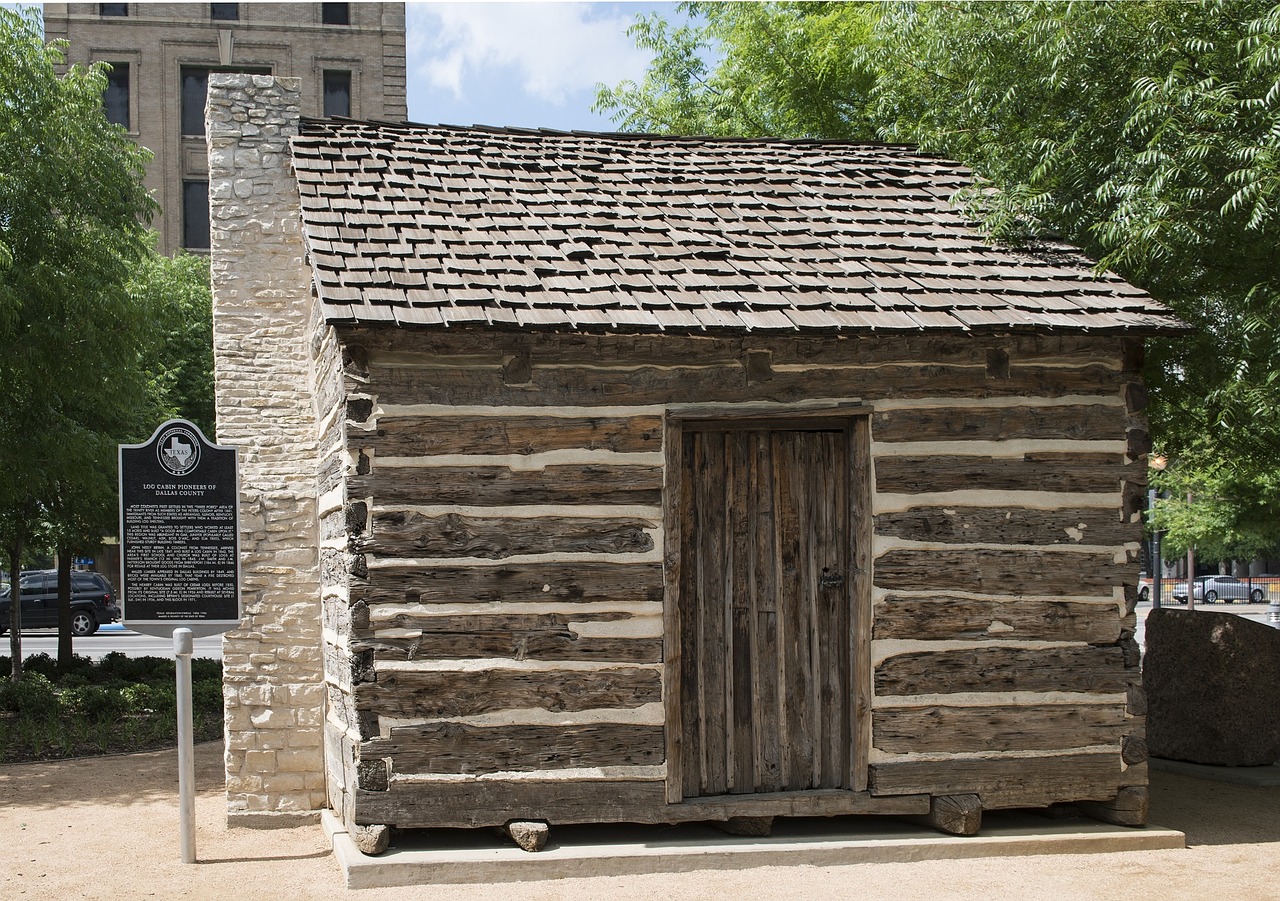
x=116 y=705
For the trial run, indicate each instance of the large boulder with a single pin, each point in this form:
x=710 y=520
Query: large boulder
x=1211 y=681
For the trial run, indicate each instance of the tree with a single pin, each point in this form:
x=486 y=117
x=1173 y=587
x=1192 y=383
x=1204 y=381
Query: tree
x=1148 y=134
x=73 y=224
x=181 y=364
x=782 y=70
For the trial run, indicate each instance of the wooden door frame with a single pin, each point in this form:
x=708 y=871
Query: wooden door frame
x=855 y=422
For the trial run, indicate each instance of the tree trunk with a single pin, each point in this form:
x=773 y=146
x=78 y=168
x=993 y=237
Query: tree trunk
x=64 y=610
x=15 y=610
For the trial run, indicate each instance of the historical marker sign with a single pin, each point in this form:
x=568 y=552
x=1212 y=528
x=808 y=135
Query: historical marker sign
x=179 y=532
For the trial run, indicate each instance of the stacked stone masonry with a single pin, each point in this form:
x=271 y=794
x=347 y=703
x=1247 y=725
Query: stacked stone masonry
x=264 y=374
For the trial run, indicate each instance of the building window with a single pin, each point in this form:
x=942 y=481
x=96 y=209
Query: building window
x=337 y=93
x=113 y=9
x=224 y=12
x=195 y=215
x=195 y=90
x=335 y=13
x=115 y=99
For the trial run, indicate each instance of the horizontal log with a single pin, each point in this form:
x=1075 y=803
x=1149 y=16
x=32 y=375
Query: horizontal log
x=513 y=583
x=1015 y=572
x=406 y=534
x=1040 y=472
x=422 y=436
x=946 y=617
x=1003 y=669
x=450 y=748
x=429 y=694
x=959 y=730
x=1065 y=422
x=491 y=802
x=543 y=636
x=1010 y=525
x=727 y=383
x=567 y=347
x=500 y=486
x=1005 y=782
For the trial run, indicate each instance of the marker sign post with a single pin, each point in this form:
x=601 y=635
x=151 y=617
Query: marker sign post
x=180 y=556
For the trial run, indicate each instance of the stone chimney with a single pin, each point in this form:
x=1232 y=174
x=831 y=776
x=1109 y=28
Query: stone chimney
x=262 y=327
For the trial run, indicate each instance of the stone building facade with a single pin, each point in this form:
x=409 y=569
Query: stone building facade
x=349 y=59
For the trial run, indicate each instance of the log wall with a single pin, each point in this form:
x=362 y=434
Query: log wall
x=495 y=623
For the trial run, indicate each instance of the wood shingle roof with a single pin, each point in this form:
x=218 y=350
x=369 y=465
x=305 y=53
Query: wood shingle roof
x=438 y=225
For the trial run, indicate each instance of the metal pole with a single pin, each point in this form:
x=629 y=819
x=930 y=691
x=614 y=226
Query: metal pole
x=1157 y=570
x=1191 y=576
x=183 y=647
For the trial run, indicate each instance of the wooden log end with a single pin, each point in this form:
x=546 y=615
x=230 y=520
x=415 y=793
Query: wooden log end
x=371 y=840
x=953 y=814
x=752 y=826
x=1128 y=808
x=530 y=835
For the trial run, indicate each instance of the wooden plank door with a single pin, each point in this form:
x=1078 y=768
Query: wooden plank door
x=766 y=621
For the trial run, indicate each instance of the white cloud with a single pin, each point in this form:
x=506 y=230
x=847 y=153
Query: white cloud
x=553 y=50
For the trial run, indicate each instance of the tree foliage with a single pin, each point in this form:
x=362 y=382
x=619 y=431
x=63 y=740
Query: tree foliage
x=181 y=363
x=73 y=225
x=1147 y=134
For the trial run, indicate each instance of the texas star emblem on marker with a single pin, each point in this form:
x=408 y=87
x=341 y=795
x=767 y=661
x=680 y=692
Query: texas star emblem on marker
x=178 y=453
x=178 y=450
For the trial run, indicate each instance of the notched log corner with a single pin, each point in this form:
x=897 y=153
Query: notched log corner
x=360 y=615
x=1133 y=750
x=1135 y=397
x=359 y=409
x=357 y=518
x=362 y=668
x=355 y=361
x=373 y=775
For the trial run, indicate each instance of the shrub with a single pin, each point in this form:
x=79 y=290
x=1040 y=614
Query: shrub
x=120 y=704
x=33 y=698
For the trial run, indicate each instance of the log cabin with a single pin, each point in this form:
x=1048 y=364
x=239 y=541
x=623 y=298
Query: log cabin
x=634 y=478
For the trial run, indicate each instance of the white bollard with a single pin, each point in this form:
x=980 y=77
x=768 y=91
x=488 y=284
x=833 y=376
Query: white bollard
x=183 y=648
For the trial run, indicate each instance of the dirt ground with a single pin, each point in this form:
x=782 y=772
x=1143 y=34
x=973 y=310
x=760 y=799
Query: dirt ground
x=107 y=828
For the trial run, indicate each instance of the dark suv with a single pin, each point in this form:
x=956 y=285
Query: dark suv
x=93 y=601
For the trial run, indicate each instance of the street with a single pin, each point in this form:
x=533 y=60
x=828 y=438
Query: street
x=110 y=638
x=115 y=637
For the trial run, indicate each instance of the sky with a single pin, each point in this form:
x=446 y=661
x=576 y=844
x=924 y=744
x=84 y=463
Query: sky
x=529 y=64
x=526 y=64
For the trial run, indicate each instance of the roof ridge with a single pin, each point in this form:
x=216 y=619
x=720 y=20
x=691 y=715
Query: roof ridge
x=320 y=123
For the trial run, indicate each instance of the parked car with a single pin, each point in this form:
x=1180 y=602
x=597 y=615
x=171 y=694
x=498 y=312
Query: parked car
x=93 y=601
x=1212 y=589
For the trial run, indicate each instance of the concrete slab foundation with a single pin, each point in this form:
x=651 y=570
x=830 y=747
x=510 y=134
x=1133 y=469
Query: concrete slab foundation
x=444 y=856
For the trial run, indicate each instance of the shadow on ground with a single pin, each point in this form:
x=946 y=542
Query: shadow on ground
x=1215 y=813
